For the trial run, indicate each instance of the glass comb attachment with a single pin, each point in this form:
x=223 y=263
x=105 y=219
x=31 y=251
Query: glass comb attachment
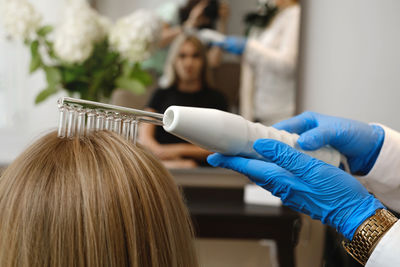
x=78 y=118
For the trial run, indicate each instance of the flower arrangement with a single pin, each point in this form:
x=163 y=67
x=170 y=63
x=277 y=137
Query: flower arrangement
x=86 y=54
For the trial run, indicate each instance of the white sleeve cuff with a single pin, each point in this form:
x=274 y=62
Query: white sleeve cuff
x=387 y=251
x=384 y=178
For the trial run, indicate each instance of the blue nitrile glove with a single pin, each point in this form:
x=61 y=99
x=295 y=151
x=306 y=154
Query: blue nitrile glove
x=306 y=184
x=358 y=141
x=233 y=44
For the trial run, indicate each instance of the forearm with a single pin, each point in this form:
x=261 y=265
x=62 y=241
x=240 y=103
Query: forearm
x=147 y=138
x=221 y=26
x=162 y=151
x=188 y=151
x=146 y=134
x=215 y=53
x=175 y=151
x=169 y=34
x=224 y=12
x=150 y=143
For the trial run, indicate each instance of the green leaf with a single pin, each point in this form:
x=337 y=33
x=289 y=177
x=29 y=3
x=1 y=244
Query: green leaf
x=143 y=76
x=45 y=94
x=132 y=85
x=73 y=73
x=69 y=75
x=110 y=58
x=43 y=31
x=53 y=76
x=36 y=60
x=50 y=50
x=126 y=68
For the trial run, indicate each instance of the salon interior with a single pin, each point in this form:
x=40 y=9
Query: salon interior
x=265 y=60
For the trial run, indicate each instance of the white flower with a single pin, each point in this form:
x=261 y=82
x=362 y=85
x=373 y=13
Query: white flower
x=20 y=18
x=136 y=35
x=81 y=28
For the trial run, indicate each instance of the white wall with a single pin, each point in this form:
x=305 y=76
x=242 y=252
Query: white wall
x=20 y=120
x=350 y=59
x=115 y=9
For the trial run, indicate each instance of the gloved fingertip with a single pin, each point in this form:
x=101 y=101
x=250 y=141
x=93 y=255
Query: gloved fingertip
x=303 y=143
x=279 y=126
x=308 y=142
x=214 y=159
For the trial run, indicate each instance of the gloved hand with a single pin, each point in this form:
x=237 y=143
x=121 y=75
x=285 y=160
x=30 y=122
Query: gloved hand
x=358 y=141
x=233 y=44
x=306 y=184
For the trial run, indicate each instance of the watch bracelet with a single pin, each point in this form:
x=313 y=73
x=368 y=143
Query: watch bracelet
x=368 y=234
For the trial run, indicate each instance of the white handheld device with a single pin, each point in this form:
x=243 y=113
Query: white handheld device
x=231 y=134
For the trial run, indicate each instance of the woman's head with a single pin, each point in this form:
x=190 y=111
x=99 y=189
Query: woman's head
x=187 y=62
x=97 y=201
x=208 y=17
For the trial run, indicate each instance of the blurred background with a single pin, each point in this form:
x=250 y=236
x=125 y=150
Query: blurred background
x=346 y=63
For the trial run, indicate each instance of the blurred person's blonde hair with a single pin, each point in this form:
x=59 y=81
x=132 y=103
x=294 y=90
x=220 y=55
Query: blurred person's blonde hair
x=170 y=77
x=97 y=201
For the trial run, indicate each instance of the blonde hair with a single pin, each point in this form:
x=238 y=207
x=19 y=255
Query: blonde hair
x=98 y=201
x=170 y=76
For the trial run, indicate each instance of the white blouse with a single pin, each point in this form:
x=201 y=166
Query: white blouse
x=267 y=90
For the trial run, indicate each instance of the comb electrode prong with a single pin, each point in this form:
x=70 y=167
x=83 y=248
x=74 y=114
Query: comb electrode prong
x=117 y=124
x=125 y=128
x=71 y=123
x=109 y=124
x=91 y=122
x=80 y=124
x=62 y=121
x=100 y=120
x=133 y=131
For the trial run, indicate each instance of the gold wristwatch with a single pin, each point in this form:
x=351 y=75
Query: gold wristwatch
x=368 y=235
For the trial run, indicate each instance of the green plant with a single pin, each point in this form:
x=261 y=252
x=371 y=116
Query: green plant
x=86 y=55
x=93 y=79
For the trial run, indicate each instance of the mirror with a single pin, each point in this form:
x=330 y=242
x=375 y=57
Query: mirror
x=260 y=84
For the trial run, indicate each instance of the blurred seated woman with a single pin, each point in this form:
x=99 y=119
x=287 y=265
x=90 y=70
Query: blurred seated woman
x=191 y=16
x=187 y=83
x=96 y=201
